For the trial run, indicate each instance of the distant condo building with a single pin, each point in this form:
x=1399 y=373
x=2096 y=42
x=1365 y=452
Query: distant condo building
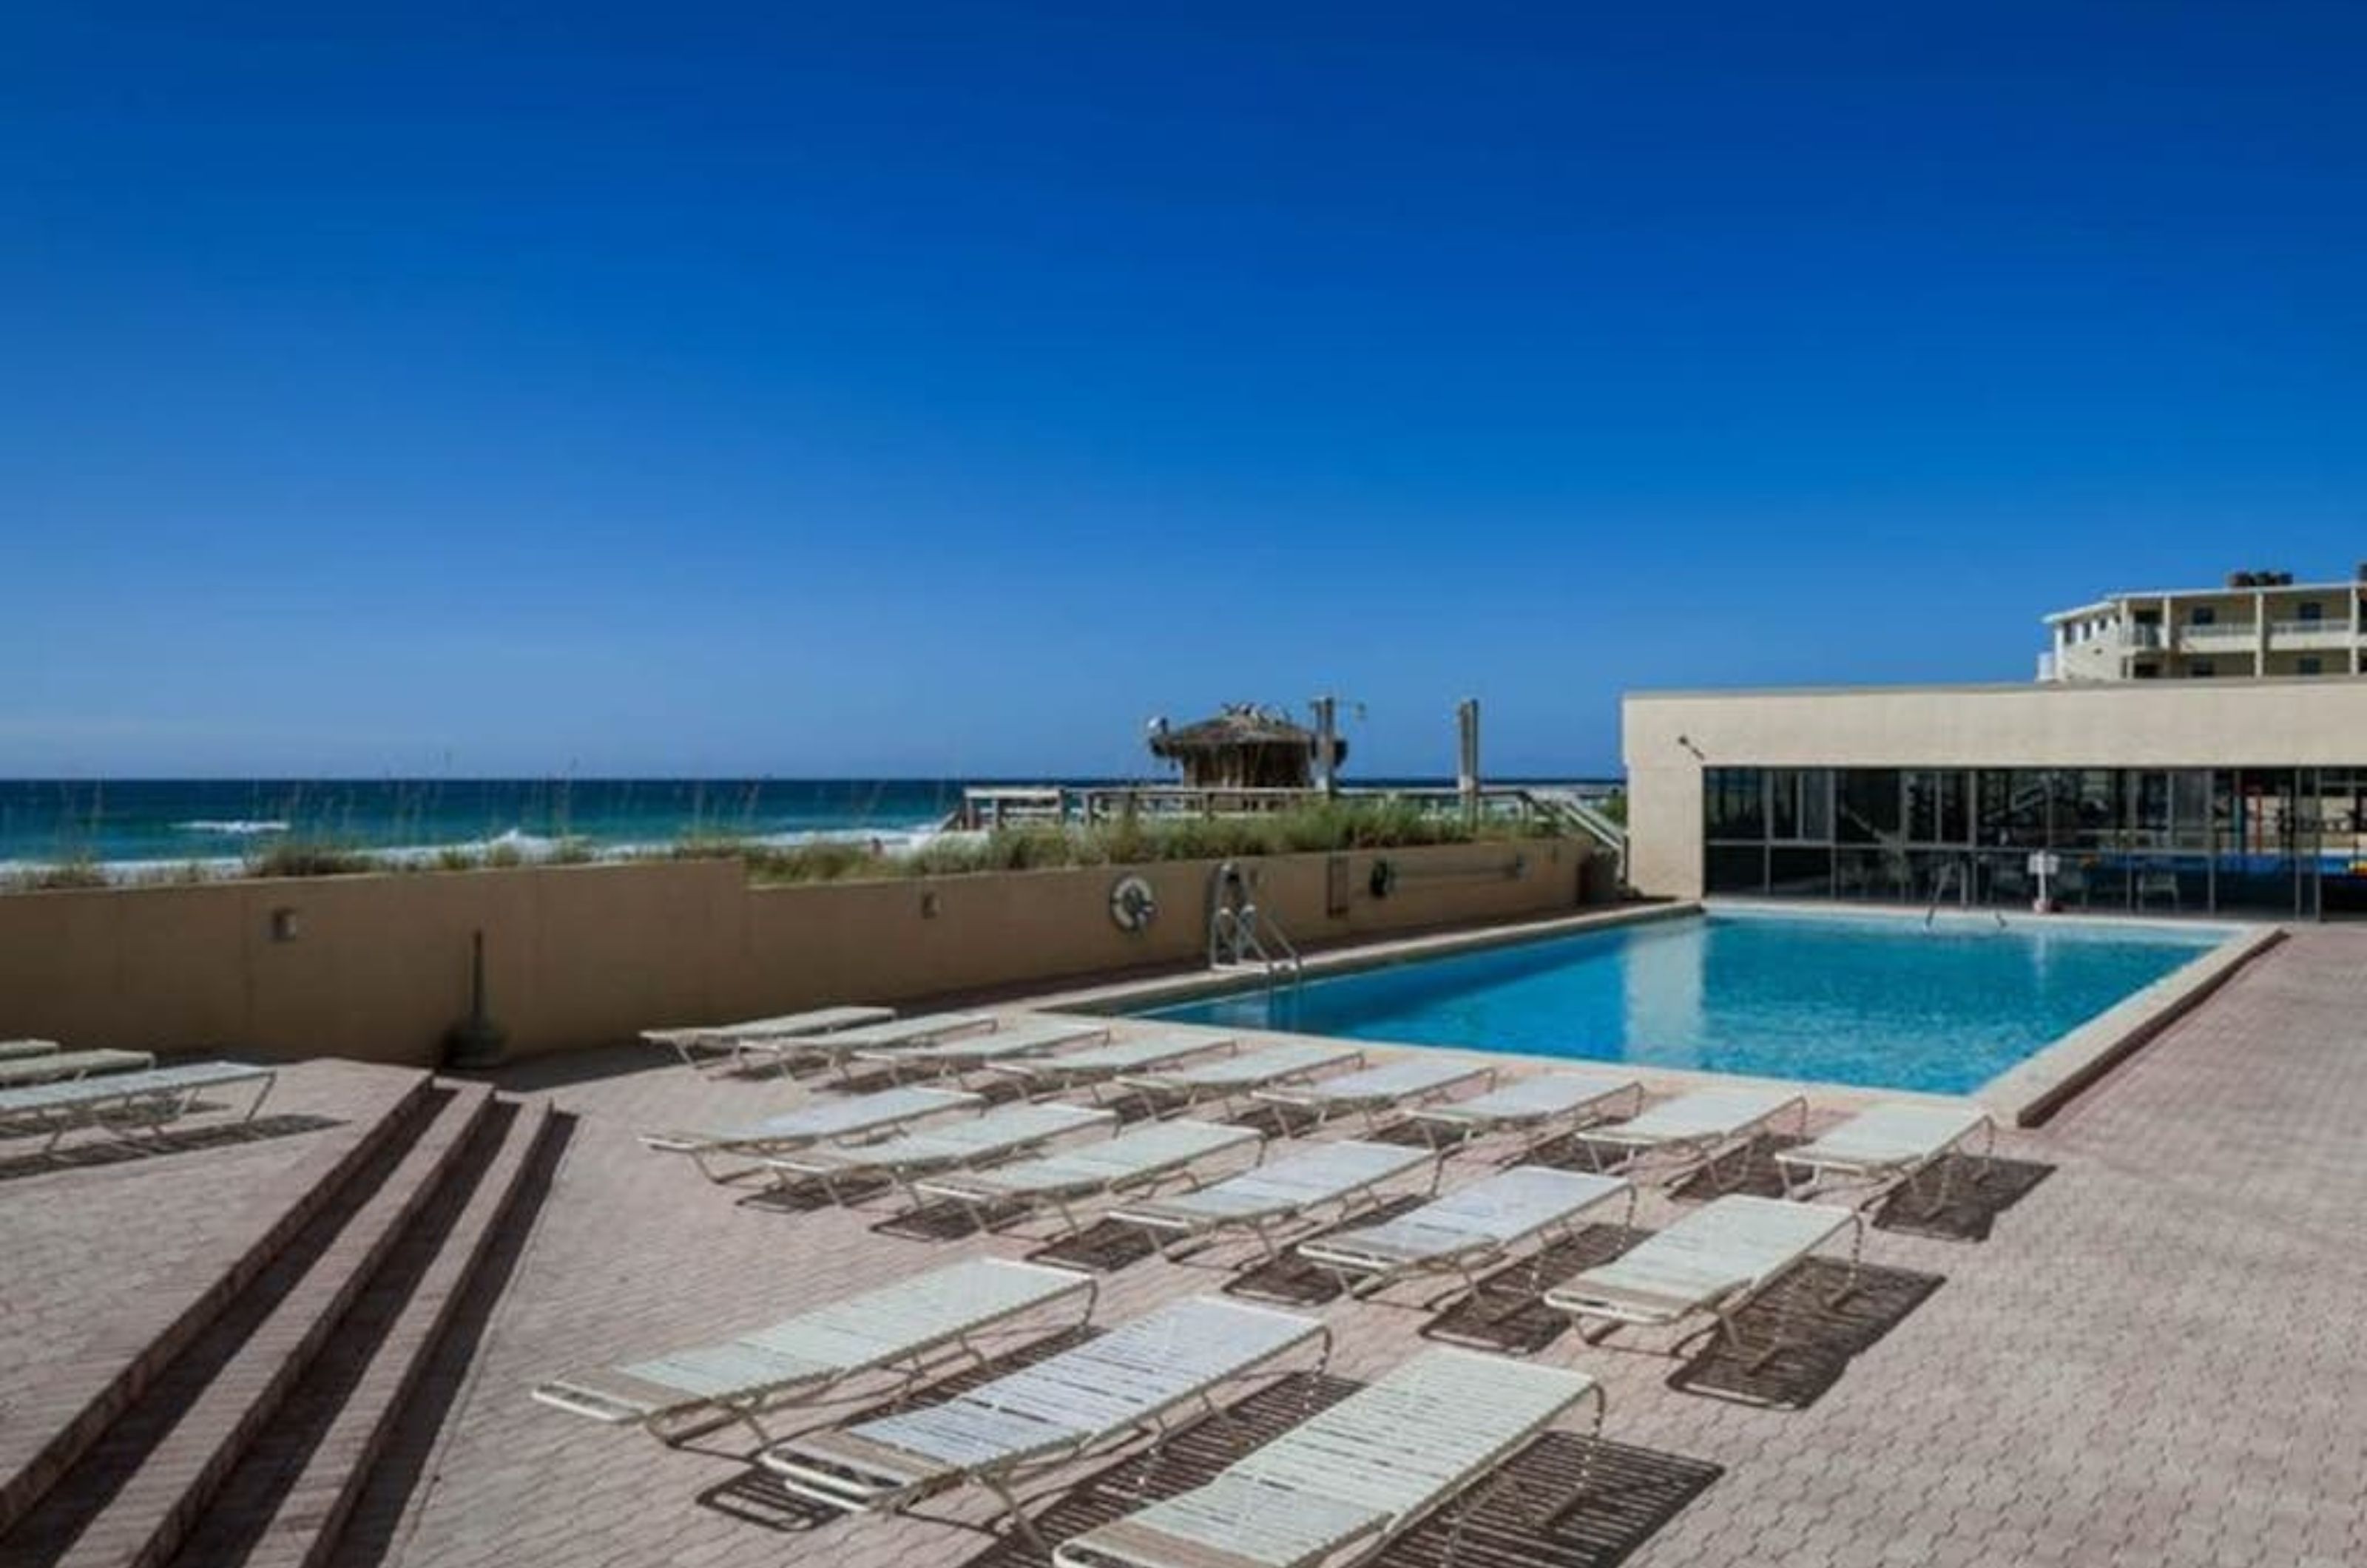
x=2260 y=623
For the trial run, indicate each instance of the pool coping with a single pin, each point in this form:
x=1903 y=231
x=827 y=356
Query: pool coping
x=1159 y=990
x=2024 y=1095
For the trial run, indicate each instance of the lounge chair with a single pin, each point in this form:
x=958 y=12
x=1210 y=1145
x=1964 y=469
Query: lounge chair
x=1145 y=1158
x=1130 y=1382
x=1888 y=1145
x=818 y=1120
x=1699 y=1127
x=1391 y=1086
x=1542 y=1107
x=14 y=1049
x=1097 y=1065
x=838 y=1048
x=1028 y=1037
x=1353 y=1477
x=1243 y=1073
x=1321 y=1176
x=723 y=1041
x=906 y=1157
x=912 y=1327
x=54 y=1066
x=1470 y=1229
x=1713 y=1260
x=130 y=1101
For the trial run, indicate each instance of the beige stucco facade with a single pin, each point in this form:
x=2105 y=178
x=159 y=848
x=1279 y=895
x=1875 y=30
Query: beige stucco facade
x=376 y=967
x=1669 y=738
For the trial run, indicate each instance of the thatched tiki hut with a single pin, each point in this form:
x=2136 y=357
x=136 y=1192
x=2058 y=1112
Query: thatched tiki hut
x=1245 y=747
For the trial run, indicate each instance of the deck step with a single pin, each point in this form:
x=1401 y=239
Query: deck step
x=54 y=1421
x=137 y=1491
x=286 y=1504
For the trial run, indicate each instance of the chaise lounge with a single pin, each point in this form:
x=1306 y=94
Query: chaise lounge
x=1324 y=1176
x=912 y=1327
x=725 y=1041
x=1144 y=1158
x=1469 y=1230
x=818 y=1120
x=904 y=1158
x=1542 y=1107
x=1393 y=1085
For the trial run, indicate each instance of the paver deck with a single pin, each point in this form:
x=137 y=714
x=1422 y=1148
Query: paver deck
x=2153 y=1359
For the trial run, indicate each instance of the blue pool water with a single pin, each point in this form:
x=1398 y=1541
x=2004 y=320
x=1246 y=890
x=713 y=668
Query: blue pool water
x=1882 y=1002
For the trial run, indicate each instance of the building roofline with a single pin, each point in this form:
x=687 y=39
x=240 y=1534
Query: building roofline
x=1976 y=688
x=2113 y=601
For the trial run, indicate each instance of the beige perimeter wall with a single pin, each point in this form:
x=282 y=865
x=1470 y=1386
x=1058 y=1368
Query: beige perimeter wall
x=376 y=967
x=1667 y=738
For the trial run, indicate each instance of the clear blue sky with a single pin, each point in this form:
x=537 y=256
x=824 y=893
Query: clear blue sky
x=947 y=389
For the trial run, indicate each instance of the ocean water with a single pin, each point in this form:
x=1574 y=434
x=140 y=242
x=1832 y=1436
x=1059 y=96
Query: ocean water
x=1880 y=1002
x=171 y=821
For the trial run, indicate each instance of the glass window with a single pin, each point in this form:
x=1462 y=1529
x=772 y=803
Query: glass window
x=2312 y=665
x=1865 y=805
x=1737 y=868
x=2203 y=669
x=1733 y=804
x=2201 y=615
x=1937 y=807
x=1800 y=805
x=2310 y=610
x=2010 y=806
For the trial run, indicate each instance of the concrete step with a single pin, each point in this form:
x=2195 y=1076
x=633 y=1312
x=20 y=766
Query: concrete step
x=286 y=1504
x=54 y=1418
x=138 y=1490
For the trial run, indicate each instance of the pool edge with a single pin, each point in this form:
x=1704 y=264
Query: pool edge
x=2031 y=1091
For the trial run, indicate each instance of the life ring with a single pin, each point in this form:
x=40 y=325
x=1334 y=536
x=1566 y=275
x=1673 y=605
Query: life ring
x=1132 y=904
x=1384 y=880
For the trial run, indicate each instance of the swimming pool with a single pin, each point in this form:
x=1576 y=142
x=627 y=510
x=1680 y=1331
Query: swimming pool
x=1878 y=1001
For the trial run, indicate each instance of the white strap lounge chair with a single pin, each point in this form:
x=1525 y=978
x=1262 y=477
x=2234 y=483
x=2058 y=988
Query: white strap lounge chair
x=839 y=1047
x=1391 y=1086
x=1131 y=1161
x=1697 y=1127
x=1888 y=1145
x=1321 y=1176
x=910 y=1329
x=127 y=1102
x=818 y=1120
x=902 y=1158
x=1028 y=1037
x=1130 y=1382
x=701 y=1046
x=53 y=1066
x=1243 y=1073
x=12 y=1050
x=1713 y=1260
x=1466 y=1231
x=1099 y=1064
x=1541 y=1107
x=1345 y=1483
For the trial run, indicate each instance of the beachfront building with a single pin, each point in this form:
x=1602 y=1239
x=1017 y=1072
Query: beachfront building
x=2259 y=624
x=2241 y=795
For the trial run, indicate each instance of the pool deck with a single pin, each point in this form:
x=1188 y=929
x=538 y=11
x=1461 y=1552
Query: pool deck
x=2150 y=1359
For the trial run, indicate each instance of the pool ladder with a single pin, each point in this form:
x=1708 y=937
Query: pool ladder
x=1241 y=934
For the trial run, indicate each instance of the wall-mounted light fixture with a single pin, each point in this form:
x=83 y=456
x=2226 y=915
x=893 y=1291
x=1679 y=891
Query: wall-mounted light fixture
x=929 y=905
x=284 y=924
x=1687 y=742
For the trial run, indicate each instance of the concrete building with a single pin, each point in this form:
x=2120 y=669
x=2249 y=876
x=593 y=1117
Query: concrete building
x=2260 y=623
x=2242 y=795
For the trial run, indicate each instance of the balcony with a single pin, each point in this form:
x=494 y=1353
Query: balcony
x=2219 y=635
x=2289 y=634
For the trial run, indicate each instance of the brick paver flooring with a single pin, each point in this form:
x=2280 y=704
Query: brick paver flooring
x=2153 y=1359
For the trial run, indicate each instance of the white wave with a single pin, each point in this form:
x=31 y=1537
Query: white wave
x=232 y=827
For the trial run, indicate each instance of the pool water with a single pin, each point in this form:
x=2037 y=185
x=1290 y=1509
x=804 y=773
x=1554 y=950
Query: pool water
x=1882 y=1002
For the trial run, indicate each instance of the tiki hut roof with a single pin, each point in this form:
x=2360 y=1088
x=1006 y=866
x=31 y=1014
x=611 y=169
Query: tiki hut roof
x=1244 y=744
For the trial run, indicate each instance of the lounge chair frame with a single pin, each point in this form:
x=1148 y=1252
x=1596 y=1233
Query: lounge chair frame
x=1328 y=1098
x=1884 y=1176
x=981 y=1193
x=1466 y=1121
x=752 y=1143
x=831 y=1164
x=1174 y=1091
x=1190 y=1231
x=883 y=1480
x=1696 y=1152
x=127 y=1104
x=1619 y=1306
x=905 y=1368
x=1313 y=1488
x=1368 y=1271
x=774 y=1036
